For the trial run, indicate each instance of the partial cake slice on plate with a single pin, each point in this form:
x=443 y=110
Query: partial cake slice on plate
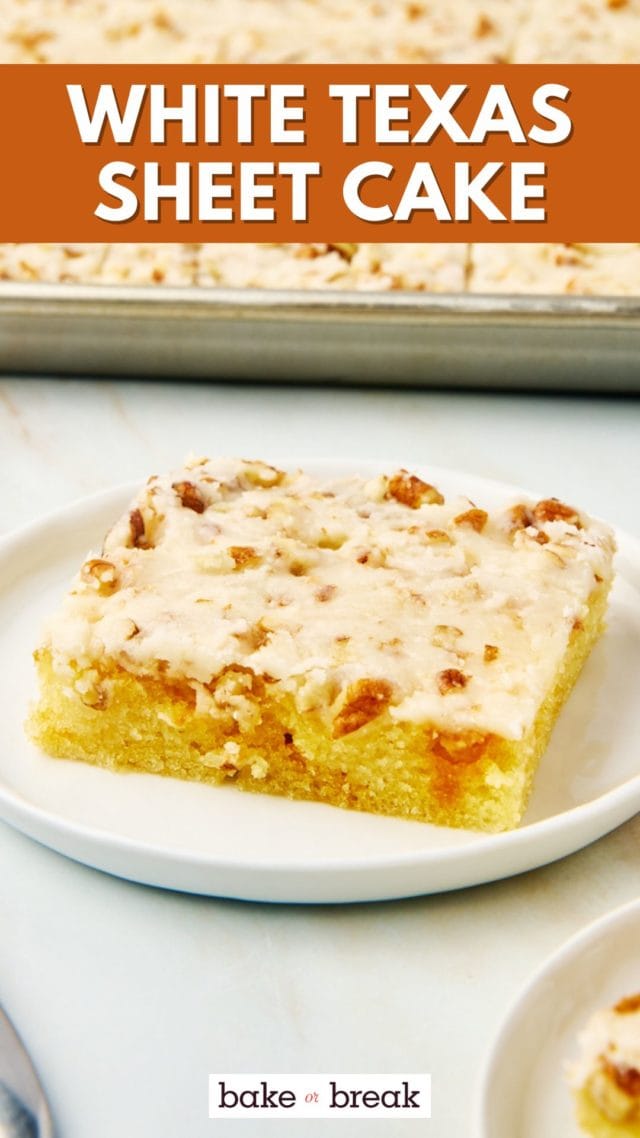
x=364 y=642
x=606 y=1078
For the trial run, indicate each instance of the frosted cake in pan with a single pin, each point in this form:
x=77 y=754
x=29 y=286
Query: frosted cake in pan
x=255 y=31
x=579 y=31
x=586 y=270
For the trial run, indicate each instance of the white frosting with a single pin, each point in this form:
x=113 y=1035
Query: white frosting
x=585 y=270
x=320 y=583
x=579 y=31
x=255 y=31
x=374 y=268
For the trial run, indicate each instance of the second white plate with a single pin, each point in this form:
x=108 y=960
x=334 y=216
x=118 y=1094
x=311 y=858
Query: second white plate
x=524 y=1091
x=219 y=841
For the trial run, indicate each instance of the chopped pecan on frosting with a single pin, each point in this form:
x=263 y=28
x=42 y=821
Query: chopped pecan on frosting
x=553 y=510
x=626 y=1078
x=451 y=679
x=446 y=635
x=439 y=537
x=260 y=474
x=244 y=556
x=326 y=593
x=344 y=249
x=412 y=491
x=628 y=1005
x=374 y=557
x=101 y=575
x=475 y=518
x=255 y=637
x=484 y=26
x=414 y=11
x=364 y=701
x=520 y=516
x=190 y=496
x=137 y=529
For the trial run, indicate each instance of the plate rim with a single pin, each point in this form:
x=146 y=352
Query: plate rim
x=18 y=811
x=558 y=958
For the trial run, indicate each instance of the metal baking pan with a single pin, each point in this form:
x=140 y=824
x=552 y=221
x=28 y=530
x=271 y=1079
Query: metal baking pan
x=417 y=339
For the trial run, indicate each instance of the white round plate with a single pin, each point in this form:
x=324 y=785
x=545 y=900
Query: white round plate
x=223 y=842
x=524 y=1091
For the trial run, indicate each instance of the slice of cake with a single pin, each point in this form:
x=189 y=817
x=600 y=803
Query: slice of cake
x=606 y=1079
x=358 y=641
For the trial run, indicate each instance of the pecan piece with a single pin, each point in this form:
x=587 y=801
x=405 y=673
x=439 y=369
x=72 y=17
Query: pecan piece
x=567 y=257
x=553 y=510
x=261 y=475
x=520 y=517
x=254 y=638
x=484 y=27
x=365 y=700
x=190 y=496
x=245 y=556
x=626 y=1078
x=326 y=593
x=137 y=530
x=164 y=23
x=412 y=491
x=451 y=680
x=445 y=636
x=476 y=519
x=628 y=1005
x=375 y=557
x=344 y=249
x=101 y=575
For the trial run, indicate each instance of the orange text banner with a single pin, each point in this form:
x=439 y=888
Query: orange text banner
x=319 y=153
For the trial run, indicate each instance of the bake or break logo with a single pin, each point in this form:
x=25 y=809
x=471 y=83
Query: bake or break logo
x=320 y=1096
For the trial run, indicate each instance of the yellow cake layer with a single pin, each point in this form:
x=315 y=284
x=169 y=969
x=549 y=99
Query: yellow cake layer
x=593 y=1121
x=411 y=770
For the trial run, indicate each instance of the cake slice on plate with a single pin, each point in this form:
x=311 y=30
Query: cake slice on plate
x=364 y=642
x=606 y=1079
